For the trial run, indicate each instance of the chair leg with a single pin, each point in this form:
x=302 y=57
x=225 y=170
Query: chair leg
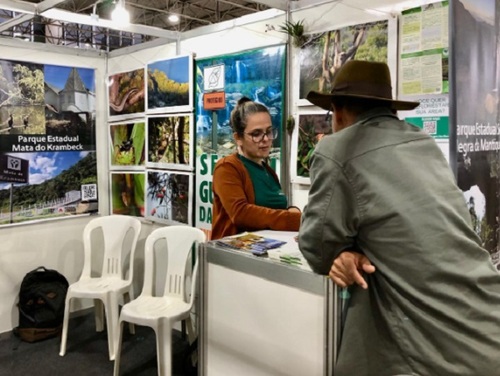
x=111 y=309
x=191 y=333
x=127 y=298
x=64 y=335
x=164 y=349
x=99 y=315
x=118 y=349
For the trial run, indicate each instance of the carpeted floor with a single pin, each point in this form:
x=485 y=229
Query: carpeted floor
x=87 y=354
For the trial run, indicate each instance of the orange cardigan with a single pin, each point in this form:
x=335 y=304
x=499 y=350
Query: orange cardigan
x=234 y=210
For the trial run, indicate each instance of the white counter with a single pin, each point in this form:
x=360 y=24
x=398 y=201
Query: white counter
x=262 y=317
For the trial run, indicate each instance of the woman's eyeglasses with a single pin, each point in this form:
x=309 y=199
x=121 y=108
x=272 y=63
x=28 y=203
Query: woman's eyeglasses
x=258 y=136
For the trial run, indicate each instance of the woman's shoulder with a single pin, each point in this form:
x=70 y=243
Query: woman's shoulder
x=231 y=159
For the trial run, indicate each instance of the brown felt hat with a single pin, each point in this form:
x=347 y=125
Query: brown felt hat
x=361 y=79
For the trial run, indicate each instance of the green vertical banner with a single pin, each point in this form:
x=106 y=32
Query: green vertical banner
x=257 y=74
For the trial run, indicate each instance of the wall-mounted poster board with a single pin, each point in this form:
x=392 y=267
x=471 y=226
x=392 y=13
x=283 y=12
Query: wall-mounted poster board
x=151 y=140
x=310 y=128
x=424 y=50
x=170 y=141
x=170 y=85
x=127 y=144
x=47 y=142
x=327 y=51
x=475 y=102
x=169 y=196
x=257 y=74
x=126 y=94
x=127 y=193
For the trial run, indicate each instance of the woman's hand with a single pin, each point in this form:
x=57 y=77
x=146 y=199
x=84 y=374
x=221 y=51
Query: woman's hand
x=293 y=209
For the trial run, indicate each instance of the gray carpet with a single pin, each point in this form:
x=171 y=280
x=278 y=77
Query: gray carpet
x=87 y=354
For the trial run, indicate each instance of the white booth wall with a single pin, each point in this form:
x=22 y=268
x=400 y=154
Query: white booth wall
x=58 y=244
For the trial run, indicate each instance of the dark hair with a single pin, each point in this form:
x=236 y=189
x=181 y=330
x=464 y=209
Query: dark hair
x=359 y=105
x=242 y=111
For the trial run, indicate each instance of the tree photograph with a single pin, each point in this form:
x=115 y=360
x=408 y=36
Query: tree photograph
x=324 y=53
x=21 y=98
x=169 y=141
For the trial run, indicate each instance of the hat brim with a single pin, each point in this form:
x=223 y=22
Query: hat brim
x=325 y=101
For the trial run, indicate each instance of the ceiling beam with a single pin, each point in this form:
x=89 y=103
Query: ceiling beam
x=47 y=4
x=29 y=10
x=276 y=4
x=18 y=6
x=70 y=17
x=169 y=12
x=4 y=26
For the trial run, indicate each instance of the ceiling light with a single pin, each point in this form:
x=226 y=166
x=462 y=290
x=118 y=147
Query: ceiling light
x=120 y=15
x=173 y=18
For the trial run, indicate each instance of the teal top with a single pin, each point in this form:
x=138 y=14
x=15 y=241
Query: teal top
x=267 y=190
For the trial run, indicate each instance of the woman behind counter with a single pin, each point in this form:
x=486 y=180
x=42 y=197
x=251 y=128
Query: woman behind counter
x=247 y=192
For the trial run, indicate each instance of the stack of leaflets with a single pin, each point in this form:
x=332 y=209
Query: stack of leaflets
x=289 y=256
x=258 y=245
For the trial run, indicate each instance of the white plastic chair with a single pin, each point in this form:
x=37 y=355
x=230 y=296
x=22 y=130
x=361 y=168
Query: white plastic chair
x=161 y=312
x=119 y=235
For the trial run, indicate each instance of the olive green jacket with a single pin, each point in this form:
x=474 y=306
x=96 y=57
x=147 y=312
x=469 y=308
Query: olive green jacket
x=384 y=188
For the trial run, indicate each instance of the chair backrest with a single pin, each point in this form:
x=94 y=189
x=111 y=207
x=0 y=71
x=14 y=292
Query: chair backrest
x=120 y=234
x=179 y=240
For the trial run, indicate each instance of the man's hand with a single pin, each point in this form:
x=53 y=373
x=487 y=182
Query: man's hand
x=348 y=267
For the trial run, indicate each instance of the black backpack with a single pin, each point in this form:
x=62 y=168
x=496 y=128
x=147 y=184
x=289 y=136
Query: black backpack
x=41 y=304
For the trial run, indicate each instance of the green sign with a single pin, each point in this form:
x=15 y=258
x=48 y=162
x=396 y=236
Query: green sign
x=436 y=126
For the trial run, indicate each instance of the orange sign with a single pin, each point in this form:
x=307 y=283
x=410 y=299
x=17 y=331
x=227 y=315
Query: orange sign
x=214 y=101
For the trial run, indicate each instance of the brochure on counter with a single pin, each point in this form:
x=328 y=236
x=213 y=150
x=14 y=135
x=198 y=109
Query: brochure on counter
x=258 y=245
x=275 y=249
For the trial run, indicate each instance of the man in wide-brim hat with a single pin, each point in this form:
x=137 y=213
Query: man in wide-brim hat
x=386 y=219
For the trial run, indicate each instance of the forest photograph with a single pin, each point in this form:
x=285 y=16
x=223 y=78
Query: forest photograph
x=21 y=98
x=169 y=142
x=324 y=53
x=53 y=189
x=127 y=193
x=168 y=196
x=169 y=85
x=126 y=93
x=311 y=129
x=127 y=144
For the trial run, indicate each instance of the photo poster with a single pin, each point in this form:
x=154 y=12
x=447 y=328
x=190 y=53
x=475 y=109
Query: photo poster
x=424 y=50
x=326 y=52
x=126 y=94
x=128 y=193
x=311 y=127
x=170 y=85
x=258 y=74
x=169 y=196
x=476 y=57
x=127 y=145
x=47 y=142
x=170 y=142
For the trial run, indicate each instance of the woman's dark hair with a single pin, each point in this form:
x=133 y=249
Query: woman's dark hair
x=242 y=111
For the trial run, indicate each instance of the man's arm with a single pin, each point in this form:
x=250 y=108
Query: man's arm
x=331 y=217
